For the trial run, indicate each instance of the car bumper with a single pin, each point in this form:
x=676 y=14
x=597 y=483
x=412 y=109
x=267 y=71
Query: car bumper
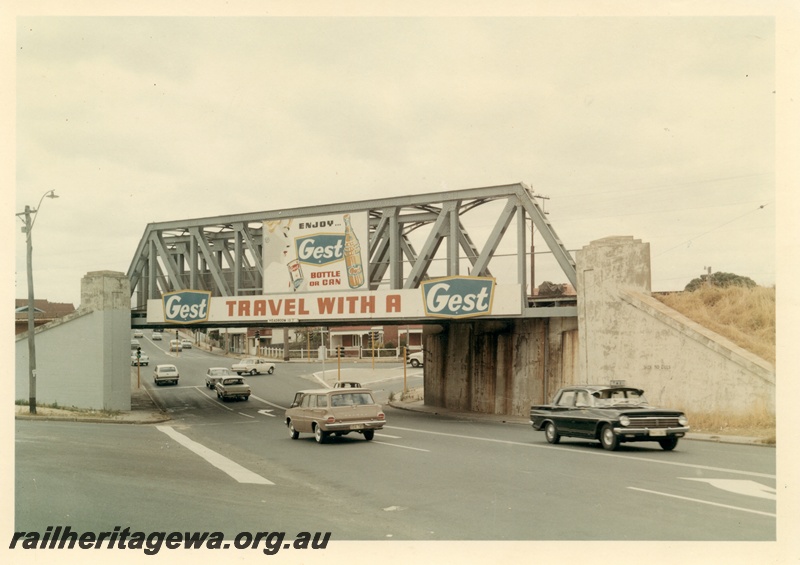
x=650 y=433
x=352 y=426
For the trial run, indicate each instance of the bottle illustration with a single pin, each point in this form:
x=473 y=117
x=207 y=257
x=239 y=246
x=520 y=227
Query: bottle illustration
x=352 y=255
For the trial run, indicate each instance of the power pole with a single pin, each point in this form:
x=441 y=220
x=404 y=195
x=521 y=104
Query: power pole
x=31 y=308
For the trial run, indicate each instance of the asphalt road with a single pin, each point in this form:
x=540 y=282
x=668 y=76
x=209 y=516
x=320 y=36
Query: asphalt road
x=231 y=467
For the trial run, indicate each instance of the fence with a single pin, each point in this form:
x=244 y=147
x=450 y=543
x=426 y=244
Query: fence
x=347 y=353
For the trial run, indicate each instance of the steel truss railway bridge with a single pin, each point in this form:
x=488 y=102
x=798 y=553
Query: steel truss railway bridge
x=411 y=239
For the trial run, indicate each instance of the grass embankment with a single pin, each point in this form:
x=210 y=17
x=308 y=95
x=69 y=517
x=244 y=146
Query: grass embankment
x=746 y=316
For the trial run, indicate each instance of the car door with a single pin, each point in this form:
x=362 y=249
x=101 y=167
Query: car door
x=319 y=407
x=583 y=421
x=562 y=412
x=302 y=416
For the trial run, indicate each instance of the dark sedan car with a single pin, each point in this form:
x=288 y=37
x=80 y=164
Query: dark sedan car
x=610 y=414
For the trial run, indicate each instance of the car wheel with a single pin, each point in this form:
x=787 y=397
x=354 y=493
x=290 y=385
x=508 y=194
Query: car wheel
x=414 y=363
x=294 y=434
x=253 y=372
x=245 y=397
x=608 y=438
x=369 y=434
x=669 y=443
x=271 y=370
x=551 y=433
x=319 y=435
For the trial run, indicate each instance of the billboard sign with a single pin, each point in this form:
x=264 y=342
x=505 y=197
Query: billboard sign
x=458 y=297
x=186 y=306
x=454 y=297
x=324 y=253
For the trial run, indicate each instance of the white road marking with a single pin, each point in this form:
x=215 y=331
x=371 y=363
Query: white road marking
x=221 y=462
x=387 y=435
x=739 y=486
x=247 y=415
x=401 y=446
x=267 y=402
x=266 y=412
x=211 y=400
x=704 y=502
x=593 y=452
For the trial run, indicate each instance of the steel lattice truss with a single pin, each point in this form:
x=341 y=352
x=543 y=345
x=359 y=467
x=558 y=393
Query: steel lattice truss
x=223 y=253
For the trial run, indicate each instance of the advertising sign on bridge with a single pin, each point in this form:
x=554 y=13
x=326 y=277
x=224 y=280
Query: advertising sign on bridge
x=319 y=254
x=450 y=297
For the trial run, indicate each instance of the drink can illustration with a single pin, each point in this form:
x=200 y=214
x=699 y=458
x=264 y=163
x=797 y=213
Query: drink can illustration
x=295 y=273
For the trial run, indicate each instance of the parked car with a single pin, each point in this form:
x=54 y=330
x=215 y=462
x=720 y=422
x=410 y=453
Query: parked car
x=186 y=343
x=142 y=359
x=166 y=374
x=416 y=359
x=610 y=414
x=232 y=387
x=338 y=411
x=134 y=344
x=138 y=333
x=216 y=374
x=175 y=345
x=253 y=366
x=155 y=336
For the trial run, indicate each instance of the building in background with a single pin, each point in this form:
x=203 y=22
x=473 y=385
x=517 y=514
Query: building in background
x=44 y=311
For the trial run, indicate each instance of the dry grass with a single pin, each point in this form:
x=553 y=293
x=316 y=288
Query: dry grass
x=746 y=316
x=758 y=423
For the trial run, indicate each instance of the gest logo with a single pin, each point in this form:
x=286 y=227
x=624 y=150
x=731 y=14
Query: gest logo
x=320 y=249
x=186 y=306
x=458 y=297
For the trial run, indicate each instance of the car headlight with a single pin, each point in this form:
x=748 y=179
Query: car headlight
x=683 y=420
x=624 y=420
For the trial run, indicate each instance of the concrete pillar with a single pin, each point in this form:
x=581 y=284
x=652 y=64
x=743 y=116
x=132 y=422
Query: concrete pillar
x=604 y=267
x=107 y=294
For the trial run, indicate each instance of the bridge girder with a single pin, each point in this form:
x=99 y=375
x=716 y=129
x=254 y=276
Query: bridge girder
x=222 y=254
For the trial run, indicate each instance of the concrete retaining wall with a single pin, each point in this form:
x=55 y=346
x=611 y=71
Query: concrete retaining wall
x=83 y=359
x=626 y=334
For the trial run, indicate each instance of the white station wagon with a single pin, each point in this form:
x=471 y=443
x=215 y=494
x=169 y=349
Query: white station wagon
x=253 y=366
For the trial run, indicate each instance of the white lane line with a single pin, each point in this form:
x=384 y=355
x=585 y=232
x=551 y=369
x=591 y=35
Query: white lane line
x=211 y=400
x=593 y=452
x=248 y=415
x=401 y=446
x=387 y=435
x=219 y=461
x=267 y=402
x=705 y=502
x=739 y=486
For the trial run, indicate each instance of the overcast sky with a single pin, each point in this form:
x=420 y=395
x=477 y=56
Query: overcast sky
x=660 y=128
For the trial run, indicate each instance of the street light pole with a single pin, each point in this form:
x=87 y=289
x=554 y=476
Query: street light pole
x=31 y=333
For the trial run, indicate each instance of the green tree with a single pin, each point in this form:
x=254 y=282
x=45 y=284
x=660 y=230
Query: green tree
x=720 y=280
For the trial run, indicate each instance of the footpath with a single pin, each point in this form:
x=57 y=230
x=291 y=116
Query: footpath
x=145 y=410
